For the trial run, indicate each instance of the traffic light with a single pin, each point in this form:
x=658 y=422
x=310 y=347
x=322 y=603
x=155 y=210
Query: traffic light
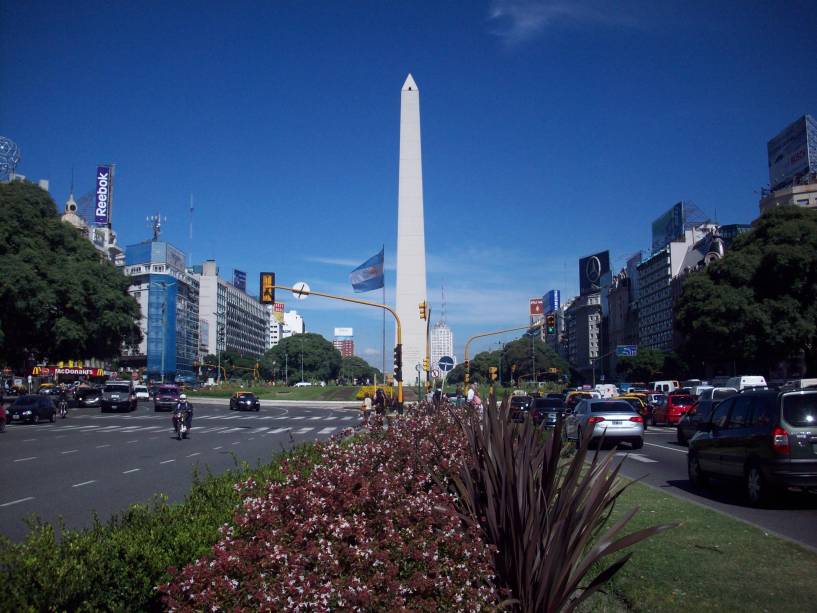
x=267 y=282
x=492 y=371
x=551 y=324
x=467 y=376
x=398 y=362
x=426 y=364
x=423 y=313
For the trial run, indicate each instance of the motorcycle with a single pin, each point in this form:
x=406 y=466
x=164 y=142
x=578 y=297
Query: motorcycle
x=180 y=423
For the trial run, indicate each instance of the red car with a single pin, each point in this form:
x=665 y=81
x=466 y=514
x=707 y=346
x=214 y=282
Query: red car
x=671 y=411
x=2 y=417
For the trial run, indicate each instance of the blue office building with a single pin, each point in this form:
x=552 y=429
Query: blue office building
x=168 y=296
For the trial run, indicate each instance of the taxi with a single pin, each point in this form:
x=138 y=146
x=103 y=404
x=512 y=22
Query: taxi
x=639 y=403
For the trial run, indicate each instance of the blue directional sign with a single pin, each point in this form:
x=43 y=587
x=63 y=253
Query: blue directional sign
x=626 y=351
x=446 y=363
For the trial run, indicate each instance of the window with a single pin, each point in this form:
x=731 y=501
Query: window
x=764 y=409
x=721 y=413
x=741 y=414
x=800 y=410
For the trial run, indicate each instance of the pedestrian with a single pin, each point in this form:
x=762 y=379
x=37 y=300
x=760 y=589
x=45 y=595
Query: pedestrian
x=380 y=401
x=366 y=408
x=472 y=390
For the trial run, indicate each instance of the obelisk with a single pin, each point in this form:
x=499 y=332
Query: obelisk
x=411 y=243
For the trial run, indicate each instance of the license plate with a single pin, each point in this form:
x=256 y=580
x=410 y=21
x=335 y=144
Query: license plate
x=617 y=422
x=551 y=415
x=15 y=417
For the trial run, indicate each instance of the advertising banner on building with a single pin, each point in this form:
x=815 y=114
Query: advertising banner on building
x=344 y=332
x=537 y=307
x=668 y=227
x=240 y=279
x=793 y=152
x=278 y=312
x=591 y=270
x=553 y=300
x=104 y=180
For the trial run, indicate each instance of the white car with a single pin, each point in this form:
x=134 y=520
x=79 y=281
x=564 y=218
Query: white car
x=141 y=392
x=303 y=384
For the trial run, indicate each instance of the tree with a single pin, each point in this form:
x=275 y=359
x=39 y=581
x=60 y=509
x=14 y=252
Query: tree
x=758 y=305
x=642 y=367
x=540 y=357
x=59 y=298
x=321 y=360
x=354 y=368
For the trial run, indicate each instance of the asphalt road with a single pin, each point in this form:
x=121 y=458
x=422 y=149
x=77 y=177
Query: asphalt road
x=662 y=463
x=104 y=462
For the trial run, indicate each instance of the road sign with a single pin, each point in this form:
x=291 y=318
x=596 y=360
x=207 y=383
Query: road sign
x=446 y=363
x=300 y=290
x=626 y=351
x=267 y=289
x=419 y=368
x=435 y=374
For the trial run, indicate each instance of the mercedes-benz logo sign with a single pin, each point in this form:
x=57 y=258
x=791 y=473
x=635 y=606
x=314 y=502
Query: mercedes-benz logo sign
x=592 y=269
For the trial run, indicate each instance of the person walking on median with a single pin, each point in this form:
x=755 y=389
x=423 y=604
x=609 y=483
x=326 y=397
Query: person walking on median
x=366 y=408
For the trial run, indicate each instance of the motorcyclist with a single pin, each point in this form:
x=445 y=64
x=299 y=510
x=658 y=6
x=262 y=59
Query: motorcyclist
x=187 y=407
x=62 y=400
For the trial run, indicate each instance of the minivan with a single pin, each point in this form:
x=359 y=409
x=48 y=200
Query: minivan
x=764 y=438
x=741 y=383
x=664 y=386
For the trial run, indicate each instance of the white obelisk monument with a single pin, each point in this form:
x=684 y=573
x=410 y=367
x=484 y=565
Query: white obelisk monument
x=411 y=242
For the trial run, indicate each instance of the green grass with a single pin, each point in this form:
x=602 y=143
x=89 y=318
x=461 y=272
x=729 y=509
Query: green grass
x=330 y=392
x=710 y=563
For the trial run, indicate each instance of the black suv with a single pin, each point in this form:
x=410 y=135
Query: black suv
x=767 y=439
x=547 y=411
x=700 y=413
x=520 y=405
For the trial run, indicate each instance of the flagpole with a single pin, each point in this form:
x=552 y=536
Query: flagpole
x=383 y=248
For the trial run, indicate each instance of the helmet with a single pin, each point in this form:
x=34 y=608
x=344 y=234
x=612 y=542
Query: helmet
x=182 y=396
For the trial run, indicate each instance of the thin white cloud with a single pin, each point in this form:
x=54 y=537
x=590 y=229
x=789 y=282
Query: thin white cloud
x=349 y=263
x=516 y=21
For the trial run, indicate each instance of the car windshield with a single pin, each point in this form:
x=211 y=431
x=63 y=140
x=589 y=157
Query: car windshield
x=611 y=407
x=519 y=400
x=549 y=403
x=122 y=389
x=634 y=402
x=800 y=409
x=141 y=388
x=682 y=401
x=168 y=391
x=245 y=395
x=25 y=401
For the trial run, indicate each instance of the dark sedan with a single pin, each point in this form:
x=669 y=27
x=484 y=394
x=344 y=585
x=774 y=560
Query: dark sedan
x=520 y=405
x=244 y=401
x=547 y=411
x=87 y=397
x=32 y=409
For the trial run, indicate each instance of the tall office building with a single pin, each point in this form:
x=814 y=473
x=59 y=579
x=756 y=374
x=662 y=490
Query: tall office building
x=344 y=341
x=442 y=343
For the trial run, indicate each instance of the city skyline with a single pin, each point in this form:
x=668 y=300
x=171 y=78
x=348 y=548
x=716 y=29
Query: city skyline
x=525 y=115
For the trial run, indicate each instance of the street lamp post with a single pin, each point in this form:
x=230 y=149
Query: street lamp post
x=302 y=359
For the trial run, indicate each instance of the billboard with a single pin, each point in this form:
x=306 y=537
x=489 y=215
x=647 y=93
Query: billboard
x=348 y=332
x=278 y=312
x=553 y=300
x=267 y=283
x=104 y=181
x=793 y=152
x=591 y=271
x=240 y=279
x=668 y=227
x=537 y=307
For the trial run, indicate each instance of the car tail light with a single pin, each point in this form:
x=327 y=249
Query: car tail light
x=780 y=441
x=637 y=419
x=595 y=420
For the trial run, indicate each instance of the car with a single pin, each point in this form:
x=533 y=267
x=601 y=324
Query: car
x=520 y=405
x=717 y=393
x=47 y=389
x=746 y=381
x=615 y=420
x=699 y=413
x=303 y=384
x=117 y=396
x=142 y=392
x=166 y=398
x=573 y=398
x=547 y=411
x=664 y=386
x=244 y=401
x=31 y=408
x=556 y=395
x=765 y=439
x=87 y=397
x=637 y=402
x=669 y=414
x=2 y=417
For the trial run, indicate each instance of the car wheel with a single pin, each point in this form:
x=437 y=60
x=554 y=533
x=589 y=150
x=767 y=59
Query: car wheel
x=757 y=489
x=680 y=436
x=638 y=444
x=257 y=409
x=696 y=475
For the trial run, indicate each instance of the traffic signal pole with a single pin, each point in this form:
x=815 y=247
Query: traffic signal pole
x=398 y=350
x=494 y=333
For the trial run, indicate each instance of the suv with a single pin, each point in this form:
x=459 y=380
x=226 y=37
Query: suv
x=766 y=438
x=117 y=396
x=166 y=398
x=547 y=411
x=700 y=413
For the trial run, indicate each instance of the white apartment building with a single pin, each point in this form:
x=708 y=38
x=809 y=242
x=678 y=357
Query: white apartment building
x=293 y=324
x=442 y=343
x=275 y=328
x=236 y=321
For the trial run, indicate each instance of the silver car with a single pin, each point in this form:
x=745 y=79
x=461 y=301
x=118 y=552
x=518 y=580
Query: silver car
x=616 y=420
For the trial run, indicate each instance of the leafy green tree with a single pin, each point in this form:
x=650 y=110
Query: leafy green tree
x=355 y=368
x=321 y=360
x=540 y=357
x=758 y=305
x=643 y=367
x=59 y=298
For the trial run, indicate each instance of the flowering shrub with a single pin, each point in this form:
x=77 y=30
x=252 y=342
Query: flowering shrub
x=367 y=528
x=372 y=390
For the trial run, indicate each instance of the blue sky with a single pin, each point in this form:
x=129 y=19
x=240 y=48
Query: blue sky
x=550 y=130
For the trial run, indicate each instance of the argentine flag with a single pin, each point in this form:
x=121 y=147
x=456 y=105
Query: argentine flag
x=369 y=275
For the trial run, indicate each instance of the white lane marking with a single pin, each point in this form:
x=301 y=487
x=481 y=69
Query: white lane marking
x=28 y=440
x=346 y=418
x=26 y=459
x=636 y=456
x=257 y=430
x=281 y=417
x=8 y=504
x=215 y=448
x=69 y=451
x=194 y=454
x=231 y=430
x=303 y=430
x=101 y=446
x=665 y=447
x=166 y=461
x=133 y=441
x=277 y=430
x=132 y=470
x=298 y=418
x=84 y=483
x=108 y=428
x=327 y=430
x=88 y=428
x=146 y=428
x=237 y=443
